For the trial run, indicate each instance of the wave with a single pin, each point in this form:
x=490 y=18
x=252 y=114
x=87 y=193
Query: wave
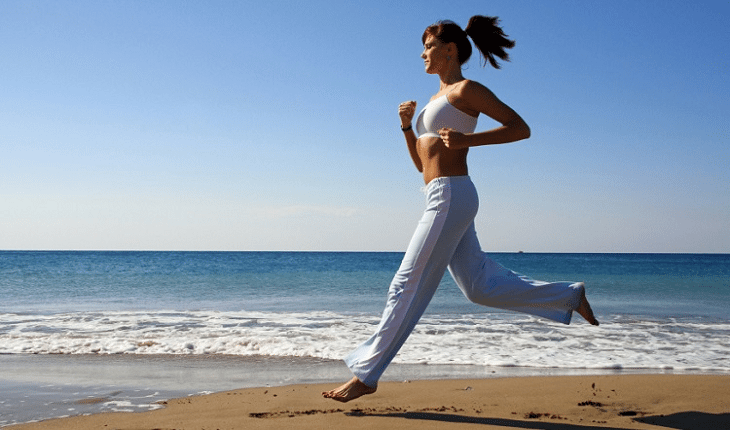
x=485 y=339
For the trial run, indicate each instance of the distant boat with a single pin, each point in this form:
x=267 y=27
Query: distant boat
x=520 y=252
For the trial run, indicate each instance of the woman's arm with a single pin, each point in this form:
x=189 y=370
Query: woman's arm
x=406 y=110
x=477 y=98
x=411 y=142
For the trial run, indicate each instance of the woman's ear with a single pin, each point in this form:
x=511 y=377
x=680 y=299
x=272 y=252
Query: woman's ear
x=451 y=50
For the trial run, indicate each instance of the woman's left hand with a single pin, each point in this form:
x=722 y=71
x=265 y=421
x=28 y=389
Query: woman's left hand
x=453 y=139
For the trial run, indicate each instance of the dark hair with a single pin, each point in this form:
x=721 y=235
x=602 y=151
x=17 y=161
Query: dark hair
x=483 y=30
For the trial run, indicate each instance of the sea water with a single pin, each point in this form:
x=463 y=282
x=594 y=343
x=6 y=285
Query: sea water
x=304 y=310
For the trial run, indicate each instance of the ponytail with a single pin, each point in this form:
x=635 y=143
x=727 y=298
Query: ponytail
x=489 y=38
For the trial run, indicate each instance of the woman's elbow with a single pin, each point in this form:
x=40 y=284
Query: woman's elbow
x=526 y=131
x=521 y=130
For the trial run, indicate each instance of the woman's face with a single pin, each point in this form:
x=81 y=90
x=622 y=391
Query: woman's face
x=434 y=55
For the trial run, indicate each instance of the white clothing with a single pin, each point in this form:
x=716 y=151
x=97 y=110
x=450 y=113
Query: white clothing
x=446 y=238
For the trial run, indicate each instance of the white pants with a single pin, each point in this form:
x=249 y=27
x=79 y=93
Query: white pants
x=445 y=238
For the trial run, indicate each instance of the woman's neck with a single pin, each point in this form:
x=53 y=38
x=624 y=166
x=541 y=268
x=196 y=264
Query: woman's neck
x=450 y=76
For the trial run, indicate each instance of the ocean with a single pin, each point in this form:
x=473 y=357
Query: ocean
x=87 y=331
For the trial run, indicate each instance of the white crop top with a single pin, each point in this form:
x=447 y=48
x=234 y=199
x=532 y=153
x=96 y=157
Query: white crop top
x=439 y=113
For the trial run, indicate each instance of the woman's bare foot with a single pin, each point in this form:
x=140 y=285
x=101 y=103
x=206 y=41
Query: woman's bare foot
x=584 y=309
x=351 y=390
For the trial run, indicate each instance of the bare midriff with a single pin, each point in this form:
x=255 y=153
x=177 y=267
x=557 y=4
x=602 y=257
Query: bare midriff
x=438 y=160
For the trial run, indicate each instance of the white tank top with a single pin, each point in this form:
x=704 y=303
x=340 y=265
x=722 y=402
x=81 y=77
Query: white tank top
x=439 y=113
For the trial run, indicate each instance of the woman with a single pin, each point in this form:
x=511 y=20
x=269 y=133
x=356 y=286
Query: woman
x=445 y=236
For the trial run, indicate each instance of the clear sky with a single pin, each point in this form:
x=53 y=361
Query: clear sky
x=273 y=125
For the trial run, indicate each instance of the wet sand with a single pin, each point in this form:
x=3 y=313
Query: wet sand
x=539 y=402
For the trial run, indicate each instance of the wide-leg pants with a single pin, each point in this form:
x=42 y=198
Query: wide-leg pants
x=446 y=238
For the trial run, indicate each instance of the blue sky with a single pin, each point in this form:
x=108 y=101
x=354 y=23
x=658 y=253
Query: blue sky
x=216 y=125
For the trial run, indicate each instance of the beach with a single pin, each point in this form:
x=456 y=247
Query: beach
x=84 y=335
x=539 y=402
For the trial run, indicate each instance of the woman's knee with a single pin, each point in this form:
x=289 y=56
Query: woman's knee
x=473 y=294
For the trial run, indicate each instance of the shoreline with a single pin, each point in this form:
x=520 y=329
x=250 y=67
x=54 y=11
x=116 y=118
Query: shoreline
x=569 y=402
x=42 y=387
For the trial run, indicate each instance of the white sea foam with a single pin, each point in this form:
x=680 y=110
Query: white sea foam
x=491 y=339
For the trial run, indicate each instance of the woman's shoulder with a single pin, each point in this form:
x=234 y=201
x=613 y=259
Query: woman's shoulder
x=469 y=86
x=472 y=94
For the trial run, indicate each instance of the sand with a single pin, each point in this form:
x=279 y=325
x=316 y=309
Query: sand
x=545 y=402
